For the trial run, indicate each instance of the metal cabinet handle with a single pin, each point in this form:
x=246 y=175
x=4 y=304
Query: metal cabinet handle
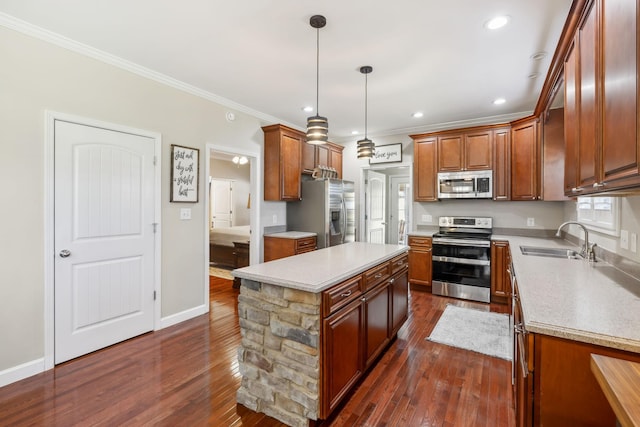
x=377 y=276
x=65 y=253
x=393 y=279
x=363 y=299
x=577 y=189
x=346 y=294
x=598 y=184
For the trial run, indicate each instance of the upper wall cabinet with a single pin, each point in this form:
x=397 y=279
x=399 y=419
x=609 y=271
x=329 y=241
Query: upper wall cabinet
x=328 y=154
x=282 y=163
x=471 y=150
x=424 y=168
x=502 y=164
x=602 y=151
x=525 y=149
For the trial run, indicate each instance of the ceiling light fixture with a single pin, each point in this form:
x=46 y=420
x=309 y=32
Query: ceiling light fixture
x=533 y=75
x=417 y=114
x=240 y=160
x=366 y=148
x=307 y=109
x=317 y=126
x=497 y=22
x=499 y=101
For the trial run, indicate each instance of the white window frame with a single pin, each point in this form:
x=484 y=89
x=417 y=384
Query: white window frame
x=587 y=208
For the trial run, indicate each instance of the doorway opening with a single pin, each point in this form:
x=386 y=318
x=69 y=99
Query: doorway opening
x=232 y=213
x=386 y=192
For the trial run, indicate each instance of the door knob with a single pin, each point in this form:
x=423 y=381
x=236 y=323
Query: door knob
x=65 y=253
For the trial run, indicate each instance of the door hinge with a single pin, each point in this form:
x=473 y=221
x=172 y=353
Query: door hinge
x=155 y=227
x=154 y=295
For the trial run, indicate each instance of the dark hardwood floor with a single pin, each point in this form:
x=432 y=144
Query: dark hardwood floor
x=187 y=375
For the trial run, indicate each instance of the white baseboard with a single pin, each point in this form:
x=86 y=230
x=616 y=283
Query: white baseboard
x=174 y=319
x=21 y=372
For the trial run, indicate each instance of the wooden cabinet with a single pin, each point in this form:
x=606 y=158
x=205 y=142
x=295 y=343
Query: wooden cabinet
x=525 y=173
x=328 y=154
x=500 y=268
x=553 y=147
x=281 y=247
x=425 y=172
x=420 y=259
x=241 y=255
x=601 y=112
x=471 y=150
x=360 y=317
x=522 y=366
x=282 y=163
x=502 y=164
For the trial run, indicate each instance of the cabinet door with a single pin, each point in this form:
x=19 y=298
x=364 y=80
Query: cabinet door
x=524 y=161
x=499 y=274
x=376 y=303
x=342 y=351
x=424 y=170
x=335 y=161
x=502 y=164
x=478 y=151
x=322 y=155
x=523 y=384
x=290 y=160
x=620 y=145
x=399 y=300
x=308 y=157
x=588 y=139
x=450 y=153
x=420 y=260
x=571 y=123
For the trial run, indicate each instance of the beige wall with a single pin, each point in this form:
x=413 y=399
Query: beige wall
x=36 y=76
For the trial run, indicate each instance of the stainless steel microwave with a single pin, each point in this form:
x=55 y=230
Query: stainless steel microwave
x=465 y=185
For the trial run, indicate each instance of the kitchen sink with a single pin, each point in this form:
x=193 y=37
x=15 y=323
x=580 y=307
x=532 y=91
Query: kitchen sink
x=550 y=252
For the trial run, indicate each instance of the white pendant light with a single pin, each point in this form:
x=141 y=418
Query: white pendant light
x=366 y=148
x=317 y=126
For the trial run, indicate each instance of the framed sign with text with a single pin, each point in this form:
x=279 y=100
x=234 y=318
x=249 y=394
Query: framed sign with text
x=387 y=154
x=184 y=174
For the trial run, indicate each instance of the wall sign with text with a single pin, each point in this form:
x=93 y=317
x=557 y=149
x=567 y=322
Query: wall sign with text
x=387 y=154
x=184 y=174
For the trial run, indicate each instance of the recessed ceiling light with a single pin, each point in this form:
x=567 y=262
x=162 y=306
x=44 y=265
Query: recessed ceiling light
x=417 y=114
x=539 y=55
x=354 y=132
x=499 y=101
x=533 y=76
x=497 y=22
x=307 y=109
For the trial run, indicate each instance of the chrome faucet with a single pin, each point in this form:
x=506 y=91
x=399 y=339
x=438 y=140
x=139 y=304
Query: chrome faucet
x=587 y=250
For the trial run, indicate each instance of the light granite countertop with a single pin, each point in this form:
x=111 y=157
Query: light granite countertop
x=318 y=270
x=292 y=234
x=589 y=302
x=422 y=233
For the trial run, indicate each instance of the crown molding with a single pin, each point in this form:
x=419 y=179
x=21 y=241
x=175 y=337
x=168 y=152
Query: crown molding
x=29 y=29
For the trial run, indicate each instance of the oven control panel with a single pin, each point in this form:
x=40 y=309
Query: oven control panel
x=465 y=222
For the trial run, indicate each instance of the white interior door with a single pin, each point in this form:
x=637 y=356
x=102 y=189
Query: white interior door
x=375 y=209
x=104 y=243
x=221 y=203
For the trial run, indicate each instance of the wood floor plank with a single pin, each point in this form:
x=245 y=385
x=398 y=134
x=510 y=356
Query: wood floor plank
x=188 y=374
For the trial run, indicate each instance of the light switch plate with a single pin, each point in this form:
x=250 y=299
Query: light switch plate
x=185 y=213
x=531 y=222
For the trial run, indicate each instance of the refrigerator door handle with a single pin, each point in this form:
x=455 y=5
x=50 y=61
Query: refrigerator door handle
x=344 y=219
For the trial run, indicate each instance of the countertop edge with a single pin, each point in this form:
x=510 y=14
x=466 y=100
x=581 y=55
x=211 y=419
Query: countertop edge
x=608 y=341
x=324 y=285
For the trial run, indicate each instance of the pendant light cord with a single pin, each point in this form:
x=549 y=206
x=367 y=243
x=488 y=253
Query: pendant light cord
x=366 y=103
x=317 y=71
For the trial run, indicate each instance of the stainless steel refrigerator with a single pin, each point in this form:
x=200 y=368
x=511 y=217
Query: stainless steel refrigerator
x=327 y=208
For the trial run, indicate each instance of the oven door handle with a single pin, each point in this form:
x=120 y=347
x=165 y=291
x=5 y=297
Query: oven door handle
x=460 y=242
x=461 y=260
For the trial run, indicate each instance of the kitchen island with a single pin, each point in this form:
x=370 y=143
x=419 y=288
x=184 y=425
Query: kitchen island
x=312 y=325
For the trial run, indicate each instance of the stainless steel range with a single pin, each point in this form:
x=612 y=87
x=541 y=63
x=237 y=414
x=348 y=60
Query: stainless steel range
x=462 y=258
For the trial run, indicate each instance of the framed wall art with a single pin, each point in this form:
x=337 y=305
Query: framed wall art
x=184 y=174
x=391 y=153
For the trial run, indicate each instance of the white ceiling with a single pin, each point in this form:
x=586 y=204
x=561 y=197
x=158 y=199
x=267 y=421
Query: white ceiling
x=429 y=56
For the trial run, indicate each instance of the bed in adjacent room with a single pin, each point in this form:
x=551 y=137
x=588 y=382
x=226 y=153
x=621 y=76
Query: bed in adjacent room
x=221 y=248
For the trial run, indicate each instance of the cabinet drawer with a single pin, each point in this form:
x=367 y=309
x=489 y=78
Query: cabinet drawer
x=398 y=263
x=340 y=295
x=305 y=244
x=376 y=275
x=419 y=242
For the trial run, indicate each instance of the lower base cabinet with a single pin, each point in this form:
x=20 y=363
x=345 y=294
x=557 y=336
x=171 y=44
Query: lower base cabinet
x=360 y=318
x=420 y=261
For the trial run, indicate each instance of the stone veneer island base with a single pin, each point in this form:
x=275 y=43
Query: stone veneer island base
x=291 y=310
